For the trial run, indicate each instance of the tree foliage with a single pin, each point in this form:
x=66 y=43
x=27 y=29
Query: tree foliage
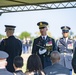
x=1 y=36
x=24 y=34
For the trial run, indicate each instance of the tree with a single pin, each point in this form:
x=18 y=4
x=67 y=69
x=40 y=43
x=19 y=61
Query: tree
x=1 y=36
x=24 y=35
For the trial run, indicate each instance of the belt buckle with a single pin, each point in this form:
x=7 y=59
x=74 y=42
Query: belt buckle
x=65 y=53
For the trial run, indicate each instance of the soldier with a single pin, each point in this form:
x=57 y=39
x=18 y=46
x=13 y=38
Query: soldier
x=65 y=46
x=43 y=45
x=11 y=45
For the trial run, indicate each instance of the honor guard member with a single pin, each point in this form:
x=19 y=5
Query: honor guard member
x=65 y=46
x=43 y=45
x=11 y=45
x=3 y=63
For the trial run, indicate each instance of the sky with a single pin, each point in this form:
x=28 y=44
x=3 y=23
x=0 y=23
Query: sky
x=27 y=21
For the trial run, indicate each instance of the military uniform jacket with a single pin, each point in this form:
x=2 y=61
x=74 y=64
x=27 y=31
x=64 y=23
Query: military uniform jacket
x=13 y=47
x=45 y=58
x=67 y=47
x=5 y=72
x=66 y=50
x=56 y=69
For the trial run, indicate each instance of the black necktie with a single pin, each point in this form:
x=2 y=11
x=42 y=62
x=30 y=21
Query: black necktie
x=43 y=38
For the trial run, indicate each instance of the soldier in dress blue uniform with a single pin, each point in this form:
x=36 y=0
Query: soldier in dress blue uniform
x=11 y=45
x=43 y=45
x=65 y=46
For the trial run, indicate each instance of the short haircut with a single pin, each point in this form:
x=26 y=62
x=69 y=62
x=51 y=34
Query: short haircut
x=18 y=61
x=55 y=55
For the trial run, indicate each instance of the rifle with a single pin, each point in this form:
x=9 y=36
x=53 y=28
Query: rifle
x=47 y=47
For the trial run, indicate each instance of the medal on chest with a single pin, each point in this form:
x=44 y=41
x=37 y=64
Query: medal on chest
x=70 y=46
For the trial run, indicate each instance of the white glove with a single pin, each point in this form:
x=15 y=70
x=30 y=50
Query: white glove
x=42 y=51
